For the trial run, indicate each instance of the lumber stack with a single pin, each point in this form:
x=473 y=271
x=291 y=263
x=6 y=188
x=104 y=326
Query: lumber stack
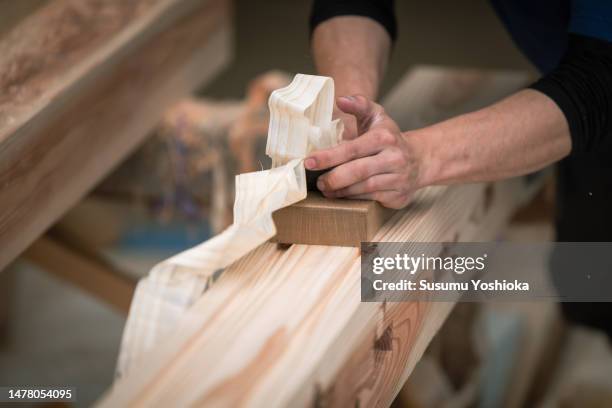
x=83 y=82
x=285 y=326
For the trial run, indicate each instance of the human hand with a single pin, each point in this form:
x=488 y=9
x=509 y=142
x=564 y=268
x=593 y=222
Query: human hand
x=350 y=124
x=381 y=164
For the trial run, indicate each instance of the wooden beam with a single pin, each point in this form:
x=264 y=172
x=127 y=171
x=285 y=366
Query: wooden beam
x=286 y=327
x=321 y=221
x=83 y=83
x=84 y=270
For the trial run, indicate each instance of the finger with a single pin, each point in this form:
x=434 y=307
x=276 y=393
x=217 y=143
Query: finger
x=352 y=172
x=350 y=125
x=366 y=145
x=378 y=182
x=365 y=111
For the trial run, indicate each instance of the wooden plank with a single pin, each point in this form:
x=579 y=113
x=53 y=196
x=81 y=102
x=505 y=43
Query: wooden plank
x=286 y=327
x=321 y=221
x=83 y=83
x=83 y=270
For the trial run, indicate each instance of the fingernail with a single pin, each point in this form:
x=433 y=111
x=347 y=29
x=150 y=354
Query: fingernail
x=321 y=185
x=310 y=163
x=348 y=98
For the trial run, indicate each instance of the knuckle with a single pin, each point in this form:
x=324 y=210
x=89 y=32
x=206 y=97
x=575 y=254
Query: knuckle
x=396 y=159
x=386 y=137
x=371 y=184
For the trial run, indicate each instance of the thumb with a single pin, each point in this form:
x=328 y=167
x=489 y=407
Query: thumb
x=365 y=111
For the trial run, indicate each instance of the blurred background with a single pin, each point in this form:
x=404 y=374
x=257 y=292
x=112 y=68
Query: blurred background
x=176 y=190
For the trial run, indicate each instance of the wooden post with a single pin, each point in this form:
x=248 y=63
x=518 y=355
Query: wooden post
x=86 y=271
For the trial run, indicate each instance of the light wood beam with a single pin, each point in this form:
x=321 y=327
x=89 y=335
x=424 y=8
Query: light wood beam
x=286 y=327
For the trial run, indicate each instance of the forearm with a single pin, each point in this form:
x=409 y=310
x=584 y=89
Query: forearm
x=520 y=134
x=567 y=110
x=353 y=50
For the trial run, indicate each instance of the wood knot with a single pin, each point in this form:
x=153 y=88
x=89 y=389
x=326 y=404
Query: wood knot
x=385 y=341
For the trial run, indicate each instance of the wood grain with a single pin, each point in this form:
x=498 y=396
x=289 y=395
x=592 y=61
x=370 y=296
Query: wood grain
x=321 y=221
x=83 y=82
x=286 y=327
x=300 y=119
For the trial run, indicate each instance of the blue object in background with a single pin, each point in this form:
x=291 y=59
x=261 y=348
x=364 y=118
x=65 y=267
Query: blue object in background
x=174 y=236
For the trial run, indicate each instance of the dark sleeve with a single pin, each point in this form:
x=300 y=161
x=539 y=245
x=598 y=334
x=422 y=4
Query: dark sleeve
x=581 y=86
x=381 y=11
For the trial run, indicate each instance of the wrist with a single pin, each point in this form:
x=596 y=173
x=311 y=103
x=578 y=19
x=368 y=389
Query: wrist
x=352 y=83
x=421 y=148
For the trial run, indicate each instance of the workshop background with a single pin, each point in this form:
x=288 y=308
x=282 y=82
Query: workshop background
x=177 y=189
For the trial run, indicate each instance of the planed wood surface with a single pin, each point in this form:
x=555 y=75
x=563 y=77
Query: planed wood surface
x=322 y=221
x=300 y=119
x=82 y=83
x=286 y=327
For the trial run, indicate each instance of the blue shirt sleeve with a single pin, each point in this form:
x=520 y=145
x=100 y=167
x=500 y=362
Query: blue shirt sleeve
x=592 y=18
